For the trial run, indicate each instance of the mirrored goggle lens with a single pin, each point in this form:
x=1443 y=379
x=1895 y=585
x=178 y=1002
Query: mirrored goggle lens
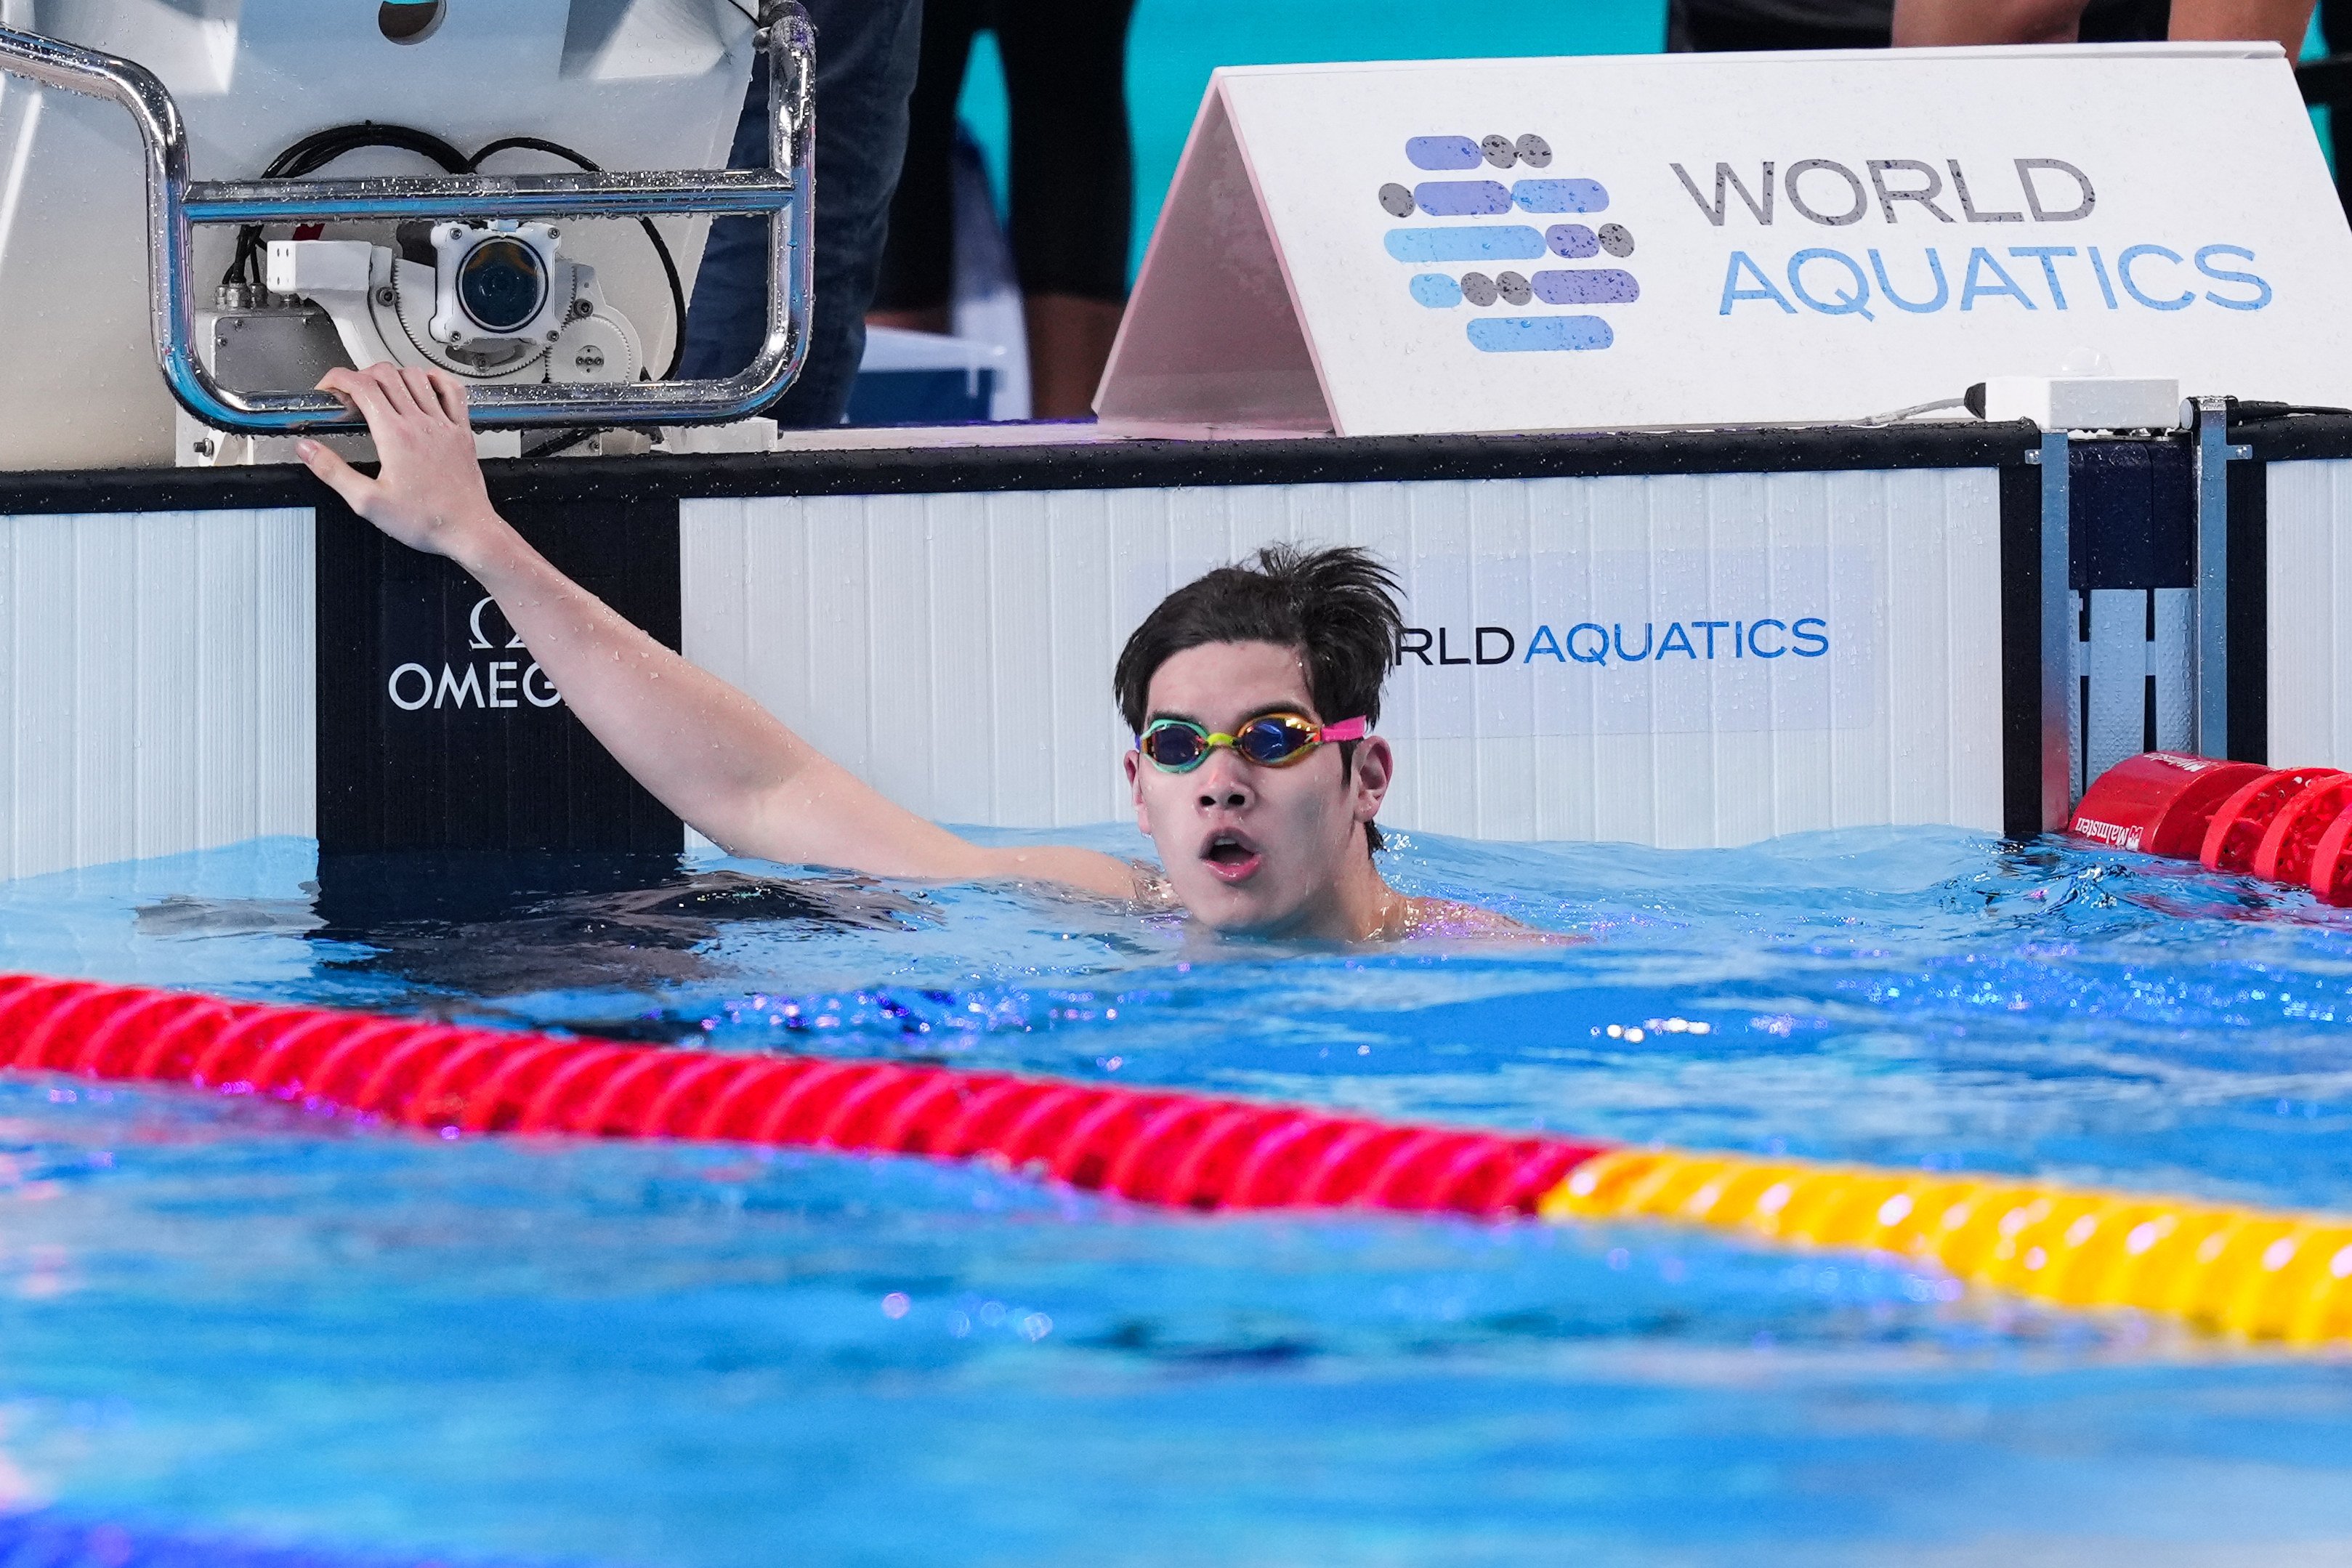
x=1174 y=747
x=1270 y=742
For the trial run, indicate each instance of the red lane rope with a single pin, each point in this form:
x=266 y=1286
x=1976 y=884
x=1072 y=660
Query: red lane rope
x=1151 y=1145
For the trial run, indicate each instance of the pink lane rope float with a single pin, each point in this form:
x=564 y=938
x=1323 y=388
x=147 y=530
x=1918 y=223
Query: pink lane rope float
x=2249 y=1272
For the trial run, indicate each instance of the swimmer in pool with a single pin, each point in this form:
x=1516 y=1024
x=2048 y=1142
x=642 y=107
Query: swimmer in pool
x=1251 y=691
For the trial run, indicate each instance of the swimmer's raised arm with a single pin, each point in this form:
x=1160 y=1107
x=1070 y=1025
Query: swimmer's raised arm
x=704 y=749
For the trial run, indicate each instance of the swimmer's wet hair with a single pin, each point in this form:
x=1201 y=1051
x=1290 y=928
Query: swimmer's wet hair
x=1337 y=606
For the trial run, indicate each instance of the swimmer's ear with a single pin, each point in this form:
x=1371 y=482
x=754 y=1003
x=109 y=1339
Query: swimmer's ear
x=1135 y=787
x=1375 y=770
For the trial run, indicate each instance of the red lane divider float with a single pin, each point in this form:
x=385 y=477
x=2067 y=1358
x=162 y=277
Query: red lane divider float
x=2160 y=804
x=2282 y=825
x=1154 y=1146
x=2263 y=1273
x=2242 y=823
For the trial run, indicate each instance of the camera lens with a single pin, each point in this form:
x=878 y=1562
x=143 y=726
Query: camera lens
x=501 y=284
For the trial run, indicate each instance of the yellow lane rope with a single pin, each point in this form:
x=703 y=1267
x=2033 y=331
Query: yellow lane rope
x=2246 y=1272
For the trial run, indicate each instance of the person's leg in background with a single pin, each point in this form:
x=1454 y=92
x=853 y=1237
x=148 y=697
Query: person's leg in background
x=2286 y=20
x=865 y=56
x=918 y=287
x=1929 y=22
x=1073 y=177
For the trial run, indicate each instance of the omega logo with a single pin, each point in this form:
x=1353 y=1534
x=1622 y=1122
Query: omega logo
x=492 y=683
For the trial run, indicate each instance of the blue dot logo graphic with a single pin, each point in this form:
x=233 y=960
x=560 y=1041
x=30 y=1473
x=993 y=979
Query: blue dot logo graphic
x=1468 y=254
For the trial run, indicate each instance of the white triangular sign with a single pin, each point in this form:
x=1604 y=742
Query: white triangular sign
x=1468 y=245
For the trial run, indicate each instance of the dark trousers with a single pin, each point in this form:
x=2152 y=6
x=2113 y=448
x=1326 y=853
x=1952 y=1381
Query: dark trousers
x=866 y=60
x=1072 y=171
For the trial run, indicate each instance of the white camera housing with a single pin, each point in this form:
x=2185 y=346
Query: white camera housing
x=497 y=285
x=562 y=328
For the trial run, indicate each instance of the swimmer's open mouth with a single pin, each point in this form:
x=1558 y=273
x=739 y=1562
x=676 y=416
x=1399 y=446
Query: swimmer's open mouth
x=1232 y=856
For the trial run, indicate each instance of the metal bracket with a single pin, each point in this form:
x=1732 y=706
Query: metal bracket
x=176 y=204
x=2209 y=615
x=2057 y=634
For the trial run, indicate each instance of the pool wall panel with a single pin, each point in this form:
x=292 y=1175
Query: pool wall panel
x=158 y=686
x=187 y=666
x=956 y=649
x=2309 y=578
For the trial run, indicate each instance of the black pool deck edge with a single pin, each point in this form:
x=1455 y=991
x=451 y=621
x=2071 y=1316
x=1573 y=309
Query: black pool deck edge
x=1131 y=464
x=1089 y=464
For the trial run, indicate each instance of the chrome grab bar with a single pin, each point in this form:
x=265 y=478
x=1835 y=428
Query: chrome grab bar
x=783 y=193
x=463 y=196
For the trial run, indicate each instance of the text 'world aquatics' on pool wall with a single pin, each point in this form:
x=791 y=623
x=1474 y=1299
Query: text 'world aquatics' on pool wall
x=1628 y=641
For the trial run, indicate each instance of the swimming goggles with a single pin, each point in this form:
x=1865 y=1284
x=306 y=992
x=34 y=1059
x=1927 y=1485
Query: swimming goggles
x=1270 y=741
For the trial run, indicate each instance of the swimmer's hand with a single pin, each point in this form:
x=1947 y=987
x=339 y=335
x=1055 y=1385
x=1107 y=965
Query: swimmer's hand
x=429 y=494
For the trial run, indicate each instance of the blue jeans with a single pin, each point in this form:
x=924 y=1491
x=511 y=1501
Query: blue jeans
x=865 y=56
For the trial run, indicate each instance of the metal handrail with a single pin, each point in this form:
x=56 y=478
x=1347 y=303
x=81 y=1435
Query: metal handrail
x=175 y=204
x=462 y=196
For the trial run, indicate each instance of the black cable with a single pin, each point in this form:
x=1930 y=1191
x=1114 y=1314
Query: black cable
x=321 y=148
x=561 y=440
x=2247 y=408
x=661 y=248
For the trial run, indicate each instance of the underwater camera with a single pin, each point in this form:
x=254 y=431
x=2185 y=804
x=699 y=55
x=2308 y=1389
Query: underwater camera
x=489 y=302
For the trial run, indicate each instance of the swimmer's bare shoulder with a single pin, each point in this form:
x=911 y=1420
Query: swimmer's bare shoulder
x=1409 y=918
x=1444 y=917
x=1154 y=893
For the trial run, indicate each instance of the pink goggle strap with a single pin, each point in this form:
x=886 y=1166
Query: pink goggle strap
x=1344 y=730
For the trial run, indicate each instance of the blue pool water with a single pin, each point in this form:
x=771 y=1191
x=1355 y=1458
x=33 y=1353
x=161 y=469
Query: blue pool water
x=248 y=1321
